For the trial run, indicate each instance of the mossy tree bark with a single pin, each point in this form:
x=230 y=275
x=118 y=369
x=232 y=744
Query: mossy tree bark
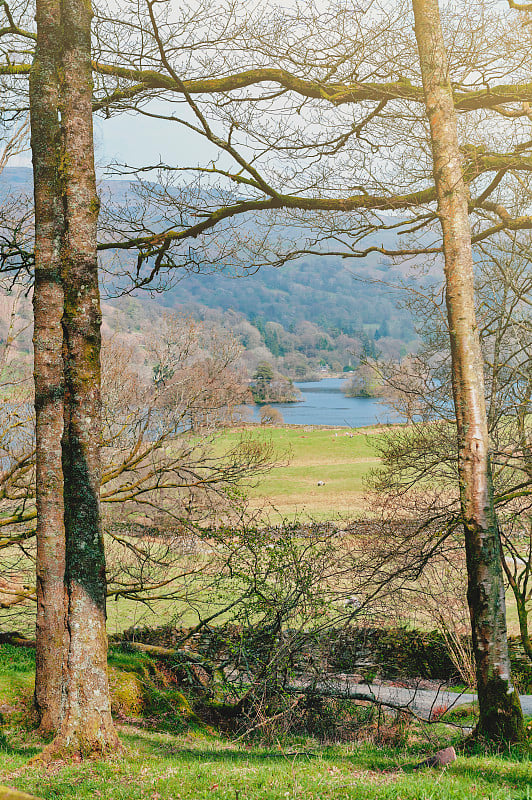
x=48 y=368
x=87 y=726
x=72 y=692
x=501 y=717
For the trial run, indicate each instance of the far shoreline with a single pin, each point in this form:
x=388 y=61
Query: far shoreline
x=323 y=402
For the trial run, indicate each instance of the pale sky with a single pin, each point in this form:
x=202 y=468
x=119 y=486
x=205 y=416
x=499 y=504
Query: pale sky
x=138 y=140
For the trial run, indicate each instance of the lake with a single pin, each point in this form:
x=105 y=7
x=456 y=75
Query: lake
x=324 y=403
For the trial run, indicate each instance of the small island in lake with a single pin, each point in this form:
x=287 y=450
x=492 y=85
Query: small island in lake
x=269 y=386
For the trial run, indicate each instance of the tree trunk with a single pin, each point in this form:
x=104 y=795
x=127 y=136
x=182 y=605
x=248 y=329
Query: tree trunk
x=87 y=726
x=72 y=692
x=48 y=368
x=500 y=718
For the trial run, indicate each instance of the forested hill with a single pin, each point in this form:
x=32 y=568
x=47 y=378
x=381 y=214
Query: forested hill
x=326 y=291
x=327 y=310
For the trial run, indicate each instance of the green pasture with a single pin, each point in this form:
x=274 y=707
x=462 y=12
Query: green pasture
x=338 y=457
x=304 y=455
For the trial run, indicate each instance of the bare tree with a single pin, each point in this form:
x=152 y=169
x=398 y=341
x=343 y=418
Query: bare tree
x=71 y=562
x=48 y=368
x=270 y=416
x=332 y=83
x=166 y=482
x=420 y=468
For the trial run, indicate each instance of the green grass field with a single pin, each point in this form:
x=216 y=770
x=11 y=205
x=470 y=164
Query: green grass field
x=337 y=456
x=305 y=456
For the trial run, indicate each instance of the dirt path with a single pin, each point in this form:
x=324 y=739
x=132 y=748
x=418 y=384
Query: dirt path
x=422 y=701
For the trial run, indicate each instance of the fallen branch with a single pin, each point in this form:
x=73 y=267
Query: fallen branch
x=352 y=694
x=17 y=640
x=346 y=693
x=168 y=652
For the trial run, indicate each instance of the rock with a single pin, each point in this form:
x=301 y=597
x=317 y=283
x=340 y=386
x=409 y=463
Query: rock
x=440 y=759
x=200 y=675
x=352 y=602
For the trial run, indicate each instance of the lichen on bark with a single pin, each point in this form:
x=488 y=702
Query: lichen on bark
x=500 y=718
x=82 y=720
x=48 y=370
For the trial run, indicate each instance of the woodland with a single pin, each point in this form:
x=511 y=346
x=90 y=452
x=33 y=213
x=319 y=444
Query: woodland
x=390 y=137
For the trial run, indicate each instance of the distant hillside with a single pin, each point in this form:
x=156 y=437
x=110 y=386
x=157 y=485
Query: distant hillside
x=326 y=291
x=318 y=313
x=307 y=318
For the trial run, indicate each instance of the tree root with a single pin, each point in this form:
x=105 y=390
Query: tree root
x=17 y=640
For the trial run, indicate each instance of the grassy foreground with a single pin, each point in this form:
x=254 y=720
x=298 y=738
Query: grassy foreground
x=197 y=766
x=168 y=754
